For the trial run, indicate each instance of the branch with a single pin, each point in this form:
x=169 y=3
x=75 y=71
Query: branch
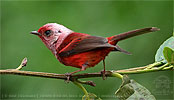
x=157 y=66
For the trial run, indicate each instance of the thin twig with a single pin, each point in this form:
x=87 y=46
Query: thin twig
x=157 y=66
x=76 y=76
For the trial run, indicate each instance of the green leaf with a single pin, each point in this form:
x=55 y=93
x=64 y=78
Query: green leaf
x=91 y=96
x=168 y=43
x=131 y=90
x=125 y=90
x=169 y=55
x=141 y=93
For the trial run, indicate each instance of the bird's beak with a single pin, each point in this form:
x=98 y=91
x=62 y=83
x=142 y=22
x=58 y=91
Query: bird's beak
x=35 y=32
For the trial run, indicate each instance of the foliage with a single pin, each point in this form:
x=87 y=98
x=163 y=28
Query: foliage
x=90 y=96
x=134 y=91
x=169 y=55
x=161 y=51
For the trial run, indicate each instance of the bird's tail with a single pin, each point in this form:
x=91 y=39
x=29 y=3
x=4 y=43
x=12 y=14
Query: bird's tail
x=114 y=39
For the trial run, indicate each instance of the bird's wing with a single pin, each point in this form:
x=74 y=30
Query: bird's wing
x=69 y=39
x=83 y=44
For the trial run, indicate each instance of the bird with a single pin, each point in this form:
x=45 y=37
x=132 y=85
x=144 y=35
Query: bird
x=82 y=50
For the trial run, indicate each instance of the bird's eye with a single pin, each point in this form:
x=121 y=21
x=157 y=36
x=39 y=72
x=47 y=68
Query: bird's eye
x=59 y=31
x=48 y=32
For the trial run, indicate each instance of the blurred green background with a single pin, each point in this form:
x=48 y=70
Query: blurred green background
x=101 y=18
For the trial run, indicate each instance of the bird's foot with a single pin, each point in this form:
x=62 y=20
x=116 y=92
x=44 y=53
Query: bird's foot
x=68 y=75
x=103 y=74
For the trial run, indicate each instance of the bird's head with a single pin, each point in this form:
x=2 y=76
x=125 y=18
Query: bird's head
x=52 y=33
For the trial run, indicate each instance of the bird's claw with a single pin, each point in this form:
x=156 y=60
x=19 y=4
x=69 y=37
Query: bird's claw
x=68 y=75
x=103 y=74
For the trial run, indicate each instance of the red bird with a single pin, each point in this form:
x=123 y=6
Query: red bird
x=82 y=50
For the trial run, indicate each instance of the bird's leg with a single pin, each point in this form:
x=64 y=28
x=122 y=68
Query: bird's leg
x=68 y=75
x=103 y=72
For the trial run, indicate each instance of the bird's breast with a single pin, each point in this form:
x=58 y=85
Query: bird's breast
x=90 y=58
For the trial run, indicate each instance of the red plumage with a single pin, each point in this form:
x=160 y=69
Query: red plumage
x=82 y=50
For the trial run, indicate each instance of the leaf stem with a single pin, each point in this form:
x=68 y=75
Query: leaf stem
x=82 y=88
x=155 y=64
x=115 y=74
